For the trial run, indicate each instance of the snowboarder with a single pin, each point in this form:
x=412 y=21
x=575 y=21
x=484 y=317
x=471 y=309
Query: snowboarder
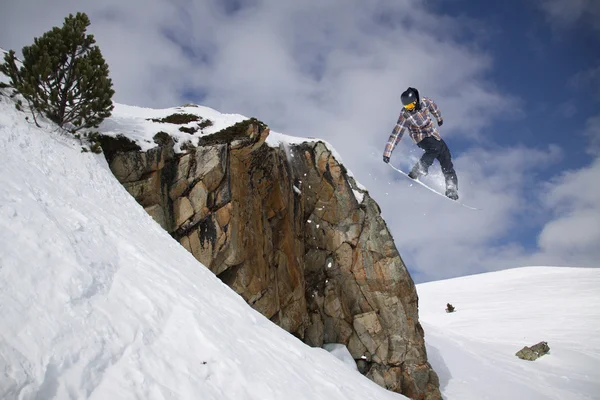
x=415 y=117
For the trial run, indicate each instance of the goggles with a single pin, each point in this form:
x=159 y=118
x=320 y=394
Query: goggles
x=410 y=106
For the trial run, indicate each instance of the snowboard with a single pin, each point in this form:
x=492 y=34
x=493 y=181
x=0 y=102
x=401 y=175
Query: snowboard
x=433 y=190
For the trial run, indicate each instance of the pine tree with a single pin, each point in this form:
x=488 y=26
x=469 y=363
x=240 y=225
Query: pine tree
x=64 y=76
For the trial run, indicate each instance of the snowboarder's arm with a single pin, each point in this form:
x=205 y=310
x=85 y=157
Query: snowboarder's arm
x=394 y=137
x=434 y=110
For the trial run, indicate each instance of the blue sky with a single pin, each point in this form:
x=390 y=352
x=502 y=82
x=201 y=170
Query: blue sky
x=537 y=60
x=518 y=84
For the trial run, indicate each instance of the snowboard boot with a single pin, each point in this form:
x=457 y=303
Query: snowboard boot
x=452 y=192
x=417 y=171
x=451 y=185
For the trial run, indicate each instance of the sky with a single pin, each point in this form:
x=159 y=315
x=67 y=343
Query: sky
x=99 y=302
x=518 y=84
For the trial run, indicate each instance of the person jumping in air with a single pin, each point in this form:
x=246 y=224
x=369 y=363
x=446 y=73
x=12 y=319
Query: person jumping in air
x=415 y=117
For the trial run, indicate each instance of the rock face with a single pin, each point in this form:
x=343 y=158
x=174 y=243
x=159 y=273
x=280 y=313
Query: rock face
x=292 y=233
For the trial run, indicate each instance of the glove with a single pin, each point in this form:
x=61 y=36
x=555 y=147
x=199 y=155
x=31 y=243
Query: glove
x=386 y=159
x=441 y=122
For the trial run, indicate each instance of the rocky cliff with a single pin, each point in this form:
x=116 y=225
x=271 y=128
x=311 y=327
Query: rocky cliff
x=290 y=231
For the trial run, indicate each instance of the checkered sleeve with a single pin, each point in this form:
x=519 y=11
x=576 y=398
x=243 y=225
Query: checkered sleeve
x=433 y=109
x=395 y=137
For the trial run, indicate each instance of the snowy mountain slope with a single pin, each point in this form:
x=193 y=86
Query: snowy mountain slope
x=98 y=302
x=473 y=349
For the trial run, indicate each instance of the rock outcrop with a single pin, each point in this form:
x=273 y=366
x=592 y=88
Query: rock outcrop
x=534 y=352
x=290 y=231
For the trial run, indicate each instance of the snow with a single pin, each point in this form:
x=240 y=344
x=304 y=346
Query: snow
x=3 y=78
x=341 y=352
x=275 y=139
x=98 y=302
x=497 y=314
x=135 y=123
x=359 y=196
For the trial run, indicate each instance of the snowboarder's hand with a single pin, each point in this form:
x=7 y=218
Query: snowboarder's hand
x=386 y=159
x=440 y=122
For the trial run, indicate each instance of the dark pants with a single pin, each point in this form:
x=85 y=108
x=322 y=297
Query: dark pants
x=436 y=149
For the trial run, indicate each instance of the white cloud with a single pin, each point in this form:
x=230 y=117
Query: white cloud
x=592 y=131
x=572 y=234
x=577 y=232
x=565 y=13
x=297 y=57
x=332 y=69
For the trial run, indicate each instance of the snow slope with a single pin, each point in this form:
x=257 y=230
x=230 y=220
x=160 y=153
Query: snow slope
x=98 y=302
x=497 y=314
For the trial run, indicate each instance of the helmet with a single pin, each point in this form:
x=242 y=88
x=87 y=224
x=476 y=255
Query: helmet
x=410 y=98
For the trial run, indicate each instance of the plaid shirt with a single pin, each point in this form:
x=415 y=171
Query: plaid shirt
x=418 y=123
